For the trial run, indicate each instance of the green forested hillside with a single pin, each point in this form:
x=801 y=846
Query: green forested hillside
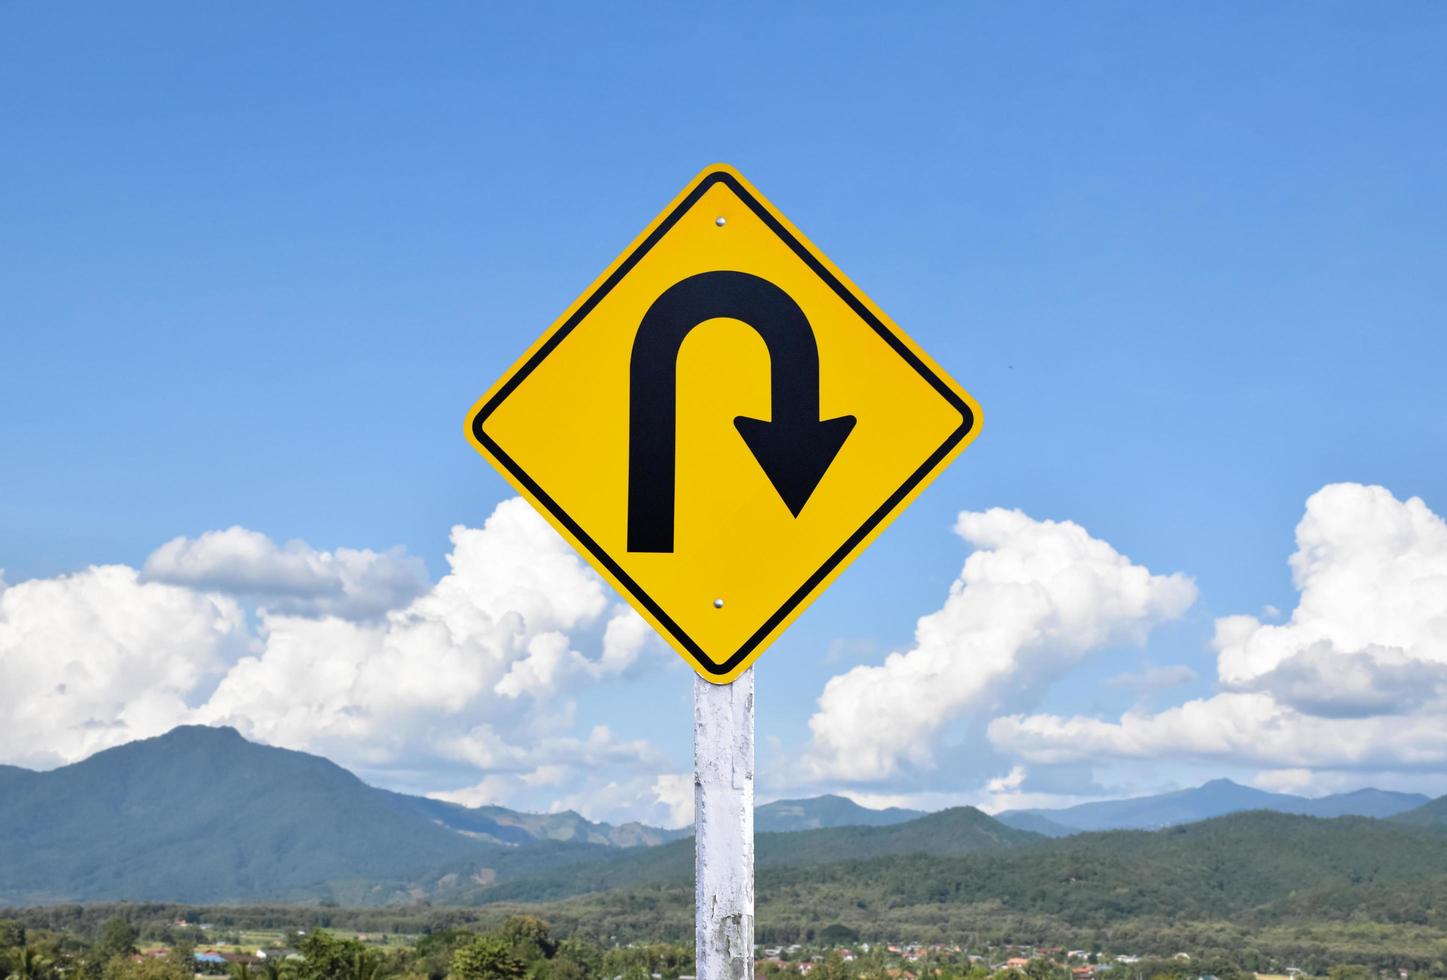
x=1254 y=865
x=818 y=812
x=1433 y=814
x=201 y=814
x=1294 y=885
x=1036 y=823
x=961 y=830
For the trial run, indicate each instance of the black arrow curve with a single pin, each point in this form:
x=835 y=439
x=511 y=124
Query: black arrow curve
x=794 y=448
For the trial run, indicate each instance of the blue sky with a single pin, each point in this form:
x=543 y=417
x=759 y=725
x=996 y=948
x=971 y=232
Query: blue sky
x=257 y=261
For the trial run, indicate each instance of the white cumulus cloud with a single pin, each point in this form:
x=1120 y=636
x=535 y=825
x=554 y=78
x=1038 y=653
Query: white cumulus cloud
x=435 y=681
x=1032 y=599
x=293 y=578
x=674 y=791
x=1008 y=783
x=100 y=657
x=601 y=776
x=1355 y=679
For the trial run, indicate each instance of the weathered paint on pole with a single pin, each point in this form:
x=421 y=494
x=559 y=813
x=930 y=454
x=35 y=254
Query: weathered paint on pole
x=723 y=800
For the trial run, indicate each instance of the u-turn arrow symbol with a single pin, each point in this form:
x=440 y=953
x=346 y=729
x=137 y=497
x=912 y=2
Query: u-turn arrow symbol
x=795 y=447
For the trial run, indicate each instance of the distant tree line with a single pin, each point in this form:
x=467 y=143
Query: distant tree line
x=634 y=935
x=522 y=947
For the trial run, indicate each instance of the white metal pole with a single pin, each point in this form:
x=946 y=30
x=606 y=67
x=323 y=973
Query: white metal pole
x=723 y=807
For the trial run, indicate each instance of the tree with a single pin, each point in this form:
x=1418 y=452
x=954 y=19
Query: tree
x=561 y=968
x=573 y=960
x=433 y=954
x=529 y=937
x=12 y=934
x=1040 y=969
x=1349 y=972
x=833 y=968
x=29 y=964
x=83 y=968
x=117 y=938
x=325 y=957
x=639 y=962
x=486 y=958
x=365 y=965
x=627 y=963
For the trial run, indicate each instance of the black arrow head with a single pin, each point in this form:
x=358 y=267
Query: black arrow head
x=795 y=455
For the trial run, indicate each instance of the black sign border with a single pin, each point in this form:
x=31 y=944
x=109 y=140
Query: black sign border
x=967 y=423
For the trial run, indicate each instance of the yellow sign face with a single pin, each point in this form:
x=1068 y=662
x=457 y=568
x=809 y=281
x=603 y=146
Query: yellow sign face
x=721 y=423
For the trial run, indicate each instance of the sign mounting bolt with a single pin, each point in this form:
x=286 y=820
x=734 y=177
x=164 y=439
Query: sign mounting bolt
x=720 y=221
x=718 y=603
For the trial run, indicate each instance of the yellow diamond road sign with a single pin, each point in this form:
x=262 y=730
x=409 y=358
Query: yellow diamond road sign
x=721 y=423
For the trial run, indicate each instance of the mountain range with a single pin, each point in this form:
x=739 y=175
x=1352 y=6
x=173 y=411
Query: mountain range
x=818 y=812
x=1213 y=799
x=499 y=825
x=203 y=815
x=952 y=832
